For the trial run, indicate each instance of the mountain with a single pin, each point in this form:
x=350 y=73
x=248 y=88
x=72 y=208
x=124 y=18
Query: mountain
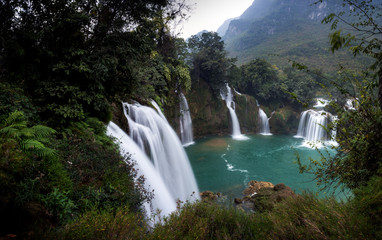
x=278 y=30
x=224 y=27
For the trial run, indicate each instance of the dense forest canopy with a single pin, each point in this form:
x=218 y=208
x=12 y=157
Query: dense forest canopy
x=74 y=57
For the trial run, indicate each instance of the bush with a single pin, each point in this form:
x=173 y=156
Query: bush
x=97 y=225
x=368 y=204
x=211 y=221
x=308 y=217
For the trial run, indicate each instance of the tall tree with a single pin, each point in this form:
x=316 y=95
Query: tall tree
x=208 y=59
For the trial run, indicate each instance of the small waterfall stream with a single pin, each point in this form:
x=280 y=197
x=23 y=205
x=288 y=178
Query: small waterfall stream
x=155 y=136
x=162 y=198
x=264 y=123
x=228 y=98
x=185 y=122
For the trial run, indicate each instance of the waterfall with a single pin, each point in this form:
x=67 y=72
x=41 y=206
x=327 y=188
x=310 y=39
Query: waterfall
x=350 y=104
x=185 y=122
x=228 y=98
x=312 y=127
x=321 y=103
x=264 y=123
x=153 y=181
x=154 y=135
x=156 y=106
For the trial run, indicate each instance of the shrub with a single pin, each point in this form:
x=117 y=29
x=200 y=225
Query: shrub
x=307 y=217
x=211 y=221
x=97 y=225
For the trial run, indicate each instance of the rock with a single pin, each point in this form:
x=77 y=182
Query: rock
x=209 y=196
x=279 y=187
x=238 y=200
x=261 y=196
x=255 y=186
x=266 y=198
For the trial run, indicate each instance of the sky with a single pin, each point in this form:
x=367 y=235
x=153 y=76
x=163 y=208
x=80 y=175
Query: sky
x=210 y=14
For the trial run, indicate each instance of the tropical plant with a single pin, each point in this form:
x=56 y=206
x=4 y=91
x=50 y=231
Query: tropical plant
x=29 y=139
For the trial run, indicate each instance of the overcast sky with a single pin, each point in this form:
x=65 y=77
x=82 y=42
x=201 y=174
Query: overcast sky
x=210 y=14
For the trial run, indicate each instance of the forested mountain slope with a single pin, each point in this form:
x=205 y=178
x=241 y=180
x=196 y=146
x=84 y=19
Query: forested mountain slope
x=279 y=30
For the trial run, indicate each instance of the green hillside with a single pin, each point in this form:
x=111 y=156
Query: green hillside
x=290 y=29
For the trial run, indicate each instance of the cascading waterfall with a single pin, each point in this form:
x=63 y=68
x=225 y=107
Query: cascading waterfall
x=185 y=122
x=153 y=181
x=156 y=106
x=154 y=135
x=311 y=126
x=321 y=103
x=264 y=123
x=228 y=98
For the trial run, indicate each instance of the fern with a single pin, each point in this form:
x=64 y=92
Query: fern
x=15 y=117
x=31 y=139
x=41 y=132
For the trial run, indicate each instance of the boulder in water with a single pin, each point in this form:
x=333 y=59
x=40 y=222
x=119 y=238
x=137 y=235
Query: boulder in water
x=262 y=196
x=255 y=186
x=209 y=196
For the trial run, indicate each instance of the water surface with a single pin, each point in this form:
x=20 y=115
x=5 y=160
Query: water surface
x=222 y=164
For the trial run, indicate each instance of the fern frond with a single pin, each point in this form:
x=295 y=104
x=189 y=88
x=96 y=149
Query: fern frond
x=9 y=132
x=18 y=125
x=14 y=117
x=31 y=144
x=41 y=131
x=36 y=147
x=27 y=132
x=45 y=152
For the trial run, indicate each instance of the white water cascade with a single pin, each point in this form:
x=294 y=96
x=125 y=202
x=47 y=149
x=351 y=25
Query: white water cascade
x=185 y=122
x=311 y=126
x=156 y=106
x=264 y=123
x=228 y=98
x=154 y=135
x=162 y=198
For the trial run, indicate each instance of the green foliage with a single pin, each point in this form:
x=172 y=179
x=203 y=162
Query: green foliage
x=31 y=140
x=367 y=202
x=94 y=224
x=12 y=99
x=260 y=79
x=59 y=204
x=74 y=58
x=210 y=221
x=209 y=61
x=307 y=217
x=273 y=85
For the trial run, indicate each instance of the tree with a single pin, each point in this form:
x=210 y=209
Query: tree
x=74 y=57
x=208 y=59
x=260 y=80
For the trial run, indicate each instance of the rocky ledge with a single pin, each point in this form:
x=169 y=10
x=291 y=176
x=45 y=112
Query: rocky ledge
x=261 y=196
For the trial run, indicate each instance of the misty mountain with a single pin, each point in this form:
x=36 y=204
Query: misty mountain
x=290 y=29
